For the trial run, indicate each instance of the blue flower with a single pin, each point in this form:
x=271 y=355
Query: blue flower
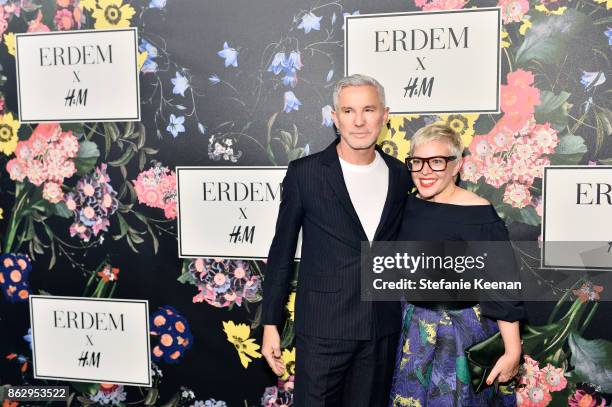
x=149 y=65
x=592 y=79
x=356 y=13
x=278 y=63
x=294 y=61
x=310 y=22
x=214 y=79
x=229 y=54
x=290 y=78
x=214 y=403
x=28 y=337
x=160 y=4
x=326 y=112
x=608 y=34
x=176 y=125
x=291 y=102
x=180 y=84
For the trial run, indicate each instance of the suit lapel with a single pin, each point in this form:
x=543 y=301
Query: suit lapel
x=336 y=181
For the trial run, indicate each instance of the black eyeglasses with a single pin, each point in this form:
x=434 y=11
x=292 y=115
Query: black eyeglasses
x=437 y=163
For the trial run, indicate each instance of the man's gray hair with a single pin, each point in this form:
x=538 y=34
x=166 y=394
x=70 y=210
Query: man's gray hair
x=358 y=80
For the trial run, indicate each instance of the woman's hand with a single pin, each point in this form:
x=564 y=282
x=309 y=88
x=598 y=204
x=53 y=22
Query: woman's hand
x=505 y=369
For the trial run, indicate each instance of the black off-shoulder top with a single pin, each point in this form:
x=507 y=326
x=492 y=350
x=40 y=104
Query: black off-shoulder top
x=431 y=221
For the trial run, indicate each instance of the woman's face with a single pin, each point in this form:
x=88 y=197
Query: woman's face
x=430 y=183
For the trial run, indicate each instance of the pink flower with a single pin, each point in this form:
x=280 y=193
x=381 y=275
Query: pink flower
x=37 y=25
x=444 y=5
x=47 y=131
x=63 y=20
x=52 y=192
x=69 y=144
x=71 y=204
x=495 y=172
x=524 y=150
x=553 y=378
x=521 y=171
x=471 y=170
x=517 y=195
x=586 y=396
x=16 y=170
x=170 y=210
x=538 y=206
x=513 y=10
x=23 y=151
x=3 y=21
x=37 y=173
x=520 y=78
x=529 y=371
x=480 y=147
x=537 y=395
x=537 y=169
x=500 y=138
x=545 y=138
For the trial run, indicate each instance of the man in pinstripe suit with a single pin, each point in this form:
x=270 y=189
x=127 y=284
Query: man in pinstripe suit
x=348 y=193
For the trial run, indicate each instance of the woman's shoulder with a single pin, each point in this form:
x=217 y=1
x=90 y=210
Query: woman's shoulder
x=468 y=198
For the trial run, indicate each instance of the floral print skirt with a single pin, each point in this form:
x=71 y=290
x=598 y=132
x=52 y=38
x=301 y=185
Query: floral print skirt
x=431 y=367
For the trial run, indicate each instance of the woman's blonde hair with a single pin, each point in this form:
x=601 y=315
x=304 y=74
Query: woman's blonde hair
x=438 y=132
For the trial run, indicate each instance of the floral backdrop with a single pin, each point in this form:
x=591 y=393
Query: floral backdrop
x=89 y=209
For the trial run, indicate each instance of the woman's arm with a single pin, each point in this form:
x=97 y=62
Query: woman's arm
x=507 y=365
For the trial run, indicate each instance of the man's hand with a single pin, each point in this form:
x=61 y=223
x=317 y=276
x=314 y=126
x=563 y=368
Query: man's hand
x=270 y=348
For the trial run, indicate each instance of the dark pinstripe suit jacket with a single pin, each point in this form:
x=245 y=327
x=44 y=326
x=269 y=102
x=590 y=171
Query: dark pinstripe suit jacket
x=328 y=304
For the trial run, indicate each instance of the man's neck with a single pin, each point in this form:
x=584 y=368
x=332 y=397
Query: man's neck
x=356 y=157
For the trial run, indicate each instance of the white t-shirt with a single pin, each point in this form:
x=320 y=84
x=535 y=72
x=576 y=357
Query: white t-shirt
x=367 y=186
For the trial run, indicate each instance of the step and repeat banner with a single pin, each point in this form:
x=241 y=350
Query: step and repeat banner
x=144 y=144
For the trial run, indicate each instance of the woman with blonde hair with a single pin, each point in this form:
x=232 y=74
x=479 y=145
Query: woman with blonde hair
x=431 y=367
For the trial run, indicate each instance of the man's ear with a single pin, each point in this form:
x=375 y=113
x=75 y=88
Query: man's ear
x=334 y=116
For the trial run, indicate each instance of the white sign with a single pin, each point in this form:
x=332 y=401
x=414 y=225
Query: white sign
x=78 y=76
x=577 y=218
x=91 y=340
x=228 y=212
x=429 y=62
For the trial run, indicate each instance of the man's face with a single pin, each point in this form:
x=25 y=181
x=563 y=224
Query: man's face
x=359 y=117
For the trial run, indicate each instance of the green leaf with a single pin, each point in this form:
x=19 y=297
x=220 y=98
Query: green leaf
x=85 y=388
x=112 y=130
x=86 y=157
x=77 y=128
x=550 y=37
x=571 y=144
x=592 y=360
x=151 y=397
x=606 y=161
x=124 y=159
x=60 y=209
x=461 y=366
x=552 y=109
x=529 y=216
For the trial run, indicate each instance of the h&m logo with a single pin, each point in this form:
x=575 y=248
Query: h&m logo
x=596 y=193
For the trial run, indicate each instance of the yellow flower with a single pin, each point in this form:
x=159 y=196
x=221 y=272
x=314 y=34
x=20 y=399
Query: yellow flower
x=504 y=44
x=608 y=3
x=542 y=8
x=1 y=213
x=142 y=57
x=8 y=133
x=291 y=306
x=9 y=41
x=288 y=357
x=112 y=14
x=397 y=142
x=463 y=124
x=88 y=4
x=429 y=331
x=238 y=335
x=400 y=401
x=525 y=26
